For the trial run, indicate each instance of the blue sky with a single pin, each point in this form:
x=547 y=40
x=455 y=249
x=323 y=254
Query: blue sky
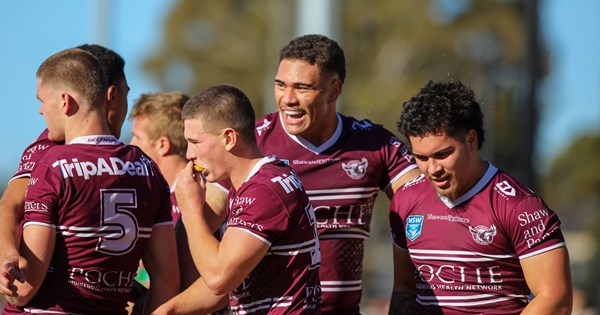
x=32 y=30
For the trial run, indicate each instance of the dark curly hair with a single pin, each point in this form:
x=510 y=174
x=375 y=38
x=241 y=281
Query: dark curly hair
x=317 y=50
x=447 y=106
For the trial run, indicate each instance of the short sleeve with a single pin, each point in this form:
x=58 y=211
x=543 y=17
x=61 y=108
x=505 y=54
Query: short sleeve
x=259 y=210
x=42 y=197
x=534 y=228
x=33 y=154
x=397 y=159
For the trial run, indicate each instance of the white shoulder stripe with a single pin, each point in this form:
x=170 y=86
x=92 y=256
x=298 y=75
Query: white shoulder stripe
x=562 y=244
x=39 y=224
x=404 y=171
x=253 y=234
x=292 y=246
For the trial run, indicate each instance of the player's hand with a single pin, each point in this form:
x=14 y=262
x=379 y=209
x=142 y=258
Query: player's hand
x=13 y=267
x=190 y=191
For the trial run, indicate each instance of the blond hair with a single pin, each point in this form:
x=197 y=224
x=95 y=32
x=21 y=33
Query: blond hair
x=163 y=110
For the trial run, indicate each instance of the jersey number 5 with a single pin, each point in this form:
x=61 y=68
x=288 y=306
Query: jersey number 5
x=119 y=226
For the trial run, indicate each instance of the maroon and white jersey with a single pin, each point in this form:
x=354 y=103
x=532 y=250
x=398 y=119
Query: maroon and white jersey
x=33 y=153
x=272 y=206
x=467 y=252
x=103 y=198
x=342 y=178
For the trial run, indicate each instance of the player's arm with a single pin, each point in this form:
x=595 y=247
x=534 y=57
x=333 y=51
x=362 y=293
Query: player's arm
x=12 y=265
x=238 y=253
x=223 y=265
x=196 y=299
x=549 y=278
x=161 y=263
x=215 y=214
x=403 y=300
x=412 y=174
x=37 y=248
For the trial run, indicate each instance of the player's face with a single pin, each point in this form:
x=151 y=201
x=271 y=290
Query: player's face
x=141 y=138
x=118 y=110
x=450 y=164
x=204 y=148
x=51 y=109
x=306 y=99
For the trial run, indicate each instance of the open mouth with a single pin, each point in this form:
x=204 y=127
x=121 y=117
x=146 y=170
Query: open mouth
x=293 y=116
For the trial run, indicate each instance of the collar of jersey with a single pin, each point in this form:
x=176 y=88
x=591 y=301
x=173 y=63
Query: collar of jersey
x=491 y=171
x=96 y=140
x=326 y=145
x=261 y=162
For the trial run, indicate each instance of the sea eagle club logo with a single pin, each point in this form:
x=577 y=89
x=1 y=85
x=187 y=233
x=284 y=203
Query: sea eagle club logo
x=356 y=169
x=414 y=225
x=483 y=235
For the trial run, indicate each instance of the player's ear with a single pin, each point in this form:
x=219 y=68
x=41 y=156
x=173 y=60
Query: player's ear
x=230 y=137
x=164 y=145
x=110 y=93
x=472 y=139
x=336 y=90
x=68 y=103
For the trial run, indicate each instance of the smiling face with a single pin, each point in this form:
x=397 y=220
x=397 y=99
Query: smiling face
x=205 y=149
x=306 y=100
x=451 y=164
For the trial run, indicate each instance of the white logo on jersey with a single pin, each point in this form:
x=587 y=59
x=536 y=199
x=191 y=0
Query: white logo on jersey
x=482 y=234
x=238 y=201
x=506 y=188
x=356 y=169
x=116 y=166
x=264 y=126
x=288 y=182
x=413 y=181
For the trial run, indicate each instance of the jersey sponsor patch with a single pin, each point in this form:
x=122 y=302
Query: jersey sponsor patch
x=414 y=225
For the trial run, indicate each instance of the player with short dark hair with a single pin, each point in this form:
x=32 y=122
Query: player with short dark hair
x=468 y=237
x=343 y=162
x=158 y=130
x=268 y=259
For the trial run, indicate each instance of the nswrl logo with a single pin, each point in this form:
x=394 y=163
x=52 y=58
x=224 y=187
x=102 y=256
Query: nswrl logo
x=414 y=225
